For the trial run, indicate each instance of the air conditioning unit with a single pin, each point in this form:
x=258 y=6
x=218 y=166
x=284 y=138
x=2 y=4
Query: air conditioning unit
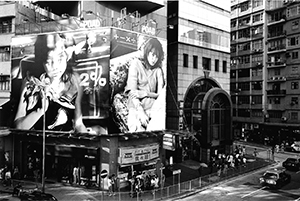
x=6 y=49
x=256 y=126
x=283 y=119
x=253 y=103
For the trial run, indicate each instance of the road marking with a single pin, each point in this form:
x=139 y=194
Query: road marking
x=253 y=192
x=297 y=172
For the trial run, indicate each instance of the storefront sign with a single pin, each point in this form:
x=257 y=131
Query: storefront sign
x=138 y=154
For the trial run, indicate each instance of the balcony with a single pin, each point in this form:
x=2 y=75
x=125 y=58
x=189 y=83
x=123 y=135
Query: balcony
x=273 y=22
x=276 y=64
x=276 y=49
x=276 y=35
x=276 y=92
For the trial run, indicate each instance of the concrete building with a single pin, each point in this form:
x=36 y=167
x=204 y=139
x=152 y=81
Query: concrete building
x=264 y=78
x=198 y=49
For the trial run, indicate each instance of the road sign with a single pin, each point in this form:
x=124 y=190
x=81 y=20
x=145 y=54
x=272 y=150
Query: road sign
x=104 y=174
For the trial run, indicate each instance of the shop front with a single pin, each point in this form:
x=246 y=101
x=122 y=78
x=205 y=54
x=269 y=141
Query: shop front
x=138 y=161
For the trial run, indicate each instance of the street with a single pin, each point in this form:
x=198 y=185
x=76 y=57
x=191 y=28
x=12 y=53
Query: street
x=248 y=188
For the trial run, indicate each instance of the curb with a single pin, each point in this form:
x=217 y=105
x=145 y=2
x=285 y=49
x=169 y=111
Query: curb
x=218 y=183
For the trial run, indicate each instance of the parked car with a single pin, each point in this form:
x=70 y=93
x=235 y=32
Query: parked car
x=275 y=178
x=37 y=195
x=294 y=147
x=291 y=164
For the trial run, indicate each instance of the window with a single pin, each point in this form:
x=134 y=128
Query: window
x=256 y=99
x=257 y=17
x=294 y=85
x=294 y=55
x=4 y=83
x=293 y=41
x=294 y=115
x=257 y=3
x=4 y=54
x=206 y=63
x=294 y=70
x=217 y=65
x=295 y=24
x=185 y=60
x=195 y=61
x=294 y=100
x=244 y=6
x=224 y=66
x=5 y=25
x=277 y=72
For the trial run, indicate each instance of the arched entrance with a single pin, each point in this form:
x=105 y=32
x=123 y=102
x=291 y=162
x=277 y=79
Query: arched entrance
x=208 y=113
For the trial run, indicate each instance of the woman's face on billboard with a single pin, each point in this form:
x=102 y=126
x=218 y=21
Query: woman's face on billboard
x=56 y=62
x=152 y=57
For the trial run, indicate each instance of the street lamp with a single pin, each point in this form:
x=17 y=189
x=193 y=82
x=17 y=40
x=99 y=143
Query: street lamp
x=44 y=142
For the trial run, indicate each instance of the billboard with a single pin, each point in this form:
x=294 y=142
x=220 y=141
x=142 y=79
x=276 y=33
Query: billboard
x=79 y=78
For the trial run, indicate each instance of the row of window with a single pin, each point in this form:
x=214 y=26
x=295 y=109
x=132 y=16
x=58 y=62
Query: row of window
x=206 y=63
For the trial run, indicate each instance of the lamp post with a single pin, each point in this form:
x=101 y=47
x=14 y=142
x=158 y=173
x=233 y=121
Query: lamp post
x=44 y=142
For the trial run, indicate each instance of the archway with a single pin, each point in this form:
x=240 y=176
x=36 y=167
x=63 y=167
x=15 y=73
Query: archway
x=208 y=113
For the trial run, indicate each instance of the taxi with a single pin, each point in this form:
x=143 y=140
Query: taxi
x=275 y=178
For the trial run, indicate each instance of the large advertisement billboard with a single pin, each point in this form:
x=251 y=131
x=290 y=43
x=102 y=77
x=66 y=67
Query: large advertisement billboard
x=83 y=77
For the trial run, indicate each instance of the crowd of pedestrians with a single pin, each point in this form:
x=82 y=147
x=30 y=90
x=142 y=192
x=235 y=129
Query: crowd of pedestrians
x=143 y=182
x=223 y=162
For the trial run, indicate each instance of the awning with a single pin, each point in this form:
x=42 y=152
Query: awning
x=4 y=132
x=2 y=102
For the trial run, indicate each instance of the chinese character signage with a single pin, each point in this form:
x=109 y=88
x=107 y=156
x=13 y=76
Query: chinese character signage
x=138 y=154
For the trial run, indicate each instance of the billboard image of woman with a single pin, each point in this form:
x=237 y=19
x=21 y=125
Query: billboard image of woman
x=63 y=75
x=56 y=92
x=140 y=106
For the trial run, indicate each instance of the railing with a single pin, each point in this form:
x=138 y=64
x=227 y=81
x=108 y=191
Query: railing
x=184 y=188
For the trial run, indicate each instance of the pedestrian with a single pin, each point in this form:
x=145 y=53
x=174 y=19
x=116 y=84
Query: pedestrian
x=109 y=185
x=113 y=183
x=200 y=171
x=75 y=175
x=244 y=150
x=255 y=152
x=273 y=152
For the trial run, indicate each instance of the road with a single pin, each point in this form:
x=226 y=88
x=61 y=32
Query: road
x=248 y=188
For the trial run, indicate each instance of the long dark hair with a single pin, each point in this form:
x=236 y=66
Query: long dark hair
x=45 y=43
x=154 y=44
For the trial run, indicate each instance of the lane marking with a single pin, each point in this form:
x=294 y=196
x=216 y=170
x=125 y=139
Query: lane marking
x=253 y=192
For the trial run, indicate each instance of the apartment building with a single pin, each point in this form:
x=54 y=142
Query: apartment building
x=263 y=75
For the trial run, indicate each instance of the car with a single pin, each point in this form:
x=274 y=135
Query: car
x=294 y=147
x=275 y=178
x=37 y=195
x=291 y=164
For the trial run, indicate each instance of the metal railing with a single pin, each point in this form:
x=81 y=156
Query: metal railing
x=183 y=188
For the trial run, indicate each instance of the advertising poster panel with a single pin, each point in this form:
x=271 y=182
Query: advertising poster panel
x=138 y=81
x=77 y=77
x=62 y=74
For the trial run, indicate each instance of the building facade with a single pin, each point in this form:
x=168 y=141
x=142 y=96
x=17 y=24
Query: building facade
x=197 y=92
x=263 y=74
x=198 y=49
